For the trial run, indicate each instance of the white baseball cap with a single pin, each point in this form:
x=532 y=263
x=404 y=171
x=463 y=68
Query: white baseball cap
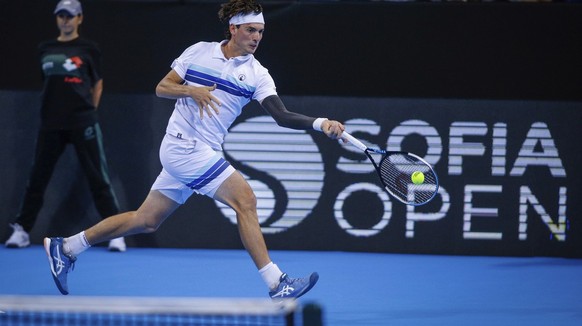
x=73 y=7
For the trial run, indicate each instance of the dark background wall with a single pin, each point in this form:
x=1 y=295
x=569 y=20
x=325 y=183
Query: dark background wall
x=512 y=64
x=345 y=48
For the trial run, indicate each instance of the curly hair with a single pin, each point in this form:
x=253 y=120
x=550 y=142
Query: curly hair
x=235 y=7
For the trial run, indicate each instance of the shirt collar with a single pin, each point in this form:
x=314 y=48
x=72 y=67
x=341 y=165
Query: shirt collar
x=219 y=55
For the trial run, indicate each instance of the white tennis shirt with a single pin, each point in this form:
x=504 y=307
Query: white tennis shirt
x=238 y=81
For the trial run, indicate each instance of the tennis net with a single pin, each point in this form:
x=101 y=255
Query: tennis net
x=145 y=311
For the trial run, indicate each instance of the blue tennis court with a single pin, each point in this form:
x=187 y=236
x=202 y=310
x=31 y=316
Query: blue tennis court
x=354 y=288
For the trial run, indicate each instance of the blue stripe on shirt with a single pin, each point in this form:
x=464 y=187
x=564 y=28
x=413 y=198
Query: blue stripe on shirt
x=222 y=84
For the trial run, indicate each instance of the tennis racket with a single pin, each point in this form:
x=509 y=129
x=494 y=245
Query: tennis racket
x=405 y=176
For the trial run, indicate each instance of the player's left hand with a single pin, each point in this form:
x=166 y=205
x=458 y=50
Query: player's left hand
x=333 y=129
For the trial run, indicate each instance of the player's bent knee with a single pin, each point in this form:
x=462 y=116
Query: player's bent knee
x=150 y=226
x=146 y=223
x=246 y=205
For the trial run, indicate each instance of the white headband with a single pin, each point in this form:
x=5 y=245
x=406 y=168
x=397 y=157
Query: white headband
x=247 y=19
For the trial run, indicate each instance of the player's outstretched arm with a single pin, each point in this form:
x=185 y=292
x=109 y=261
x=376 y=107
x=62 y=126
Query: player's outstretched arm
x=284 y=118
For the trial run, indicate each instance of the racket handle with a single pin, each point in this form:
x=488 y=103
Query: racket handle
x=354 y=141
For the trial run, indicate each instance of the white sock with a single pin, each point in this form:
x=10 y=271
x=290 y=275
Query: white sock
x=76 y=244
x=271 y=275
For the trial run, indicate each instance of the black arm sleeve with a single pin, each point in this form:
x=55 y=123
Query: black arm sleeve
x=275 y=107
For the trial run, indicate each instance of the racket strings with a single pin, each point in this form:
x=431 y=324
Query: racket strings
x=396 y=172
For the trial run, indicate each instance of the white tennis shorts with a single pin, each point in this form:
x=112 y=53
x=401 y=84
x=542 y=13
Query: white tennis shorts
x=190 y=166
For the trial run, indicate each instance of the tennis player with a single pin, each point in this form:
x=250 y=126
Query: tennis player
x=212 y=82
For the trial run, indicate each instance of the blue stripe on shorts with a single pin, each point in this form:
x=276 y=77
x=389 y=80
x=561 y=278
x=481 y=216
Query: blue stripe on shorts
x=214 y=171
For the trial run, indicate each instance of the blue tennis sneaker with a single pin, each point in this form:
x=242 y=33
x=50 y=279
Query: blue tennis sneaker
x=293 y=288
x=60 y=263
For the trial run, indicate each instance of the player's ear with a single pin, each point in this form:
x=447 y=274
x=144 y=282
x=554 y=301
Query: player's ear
x=232 y=29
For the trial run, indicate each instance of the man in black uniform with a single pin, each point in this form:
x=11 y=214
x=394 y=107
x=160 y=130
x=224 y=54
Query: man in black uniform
x=72 y=90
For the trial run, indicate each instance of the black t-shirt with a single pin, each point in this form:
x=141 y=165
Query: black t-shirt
x=70 y=70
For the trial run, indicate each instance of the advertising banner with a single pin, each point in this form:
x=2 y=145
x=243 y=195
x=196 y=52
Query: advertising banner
x=507 y=170
x=509 y=175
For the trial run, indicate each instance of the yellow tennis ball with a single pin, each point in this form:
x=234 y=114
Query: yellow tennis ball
x=417 y=177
